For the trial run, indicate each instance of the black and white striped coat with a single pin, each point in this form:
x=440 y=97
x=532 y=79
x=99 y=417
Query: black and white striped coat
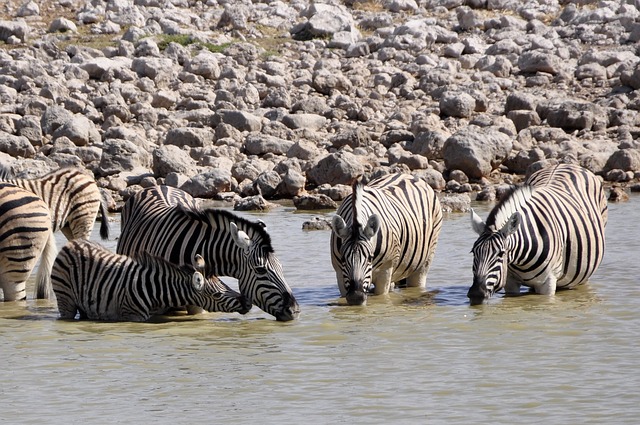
x=97 y=284
x=73 y=197
x=547 y=234
x=25 y=237
x=167 y=222
x=384 y=233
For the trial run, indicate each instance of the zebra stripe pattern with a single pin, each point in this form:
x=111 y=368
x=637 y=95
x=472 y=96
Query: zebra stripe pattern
x=74 y=200
x=94 y=283
x=547 y=234
x=168 y=222
x=25 y=237
x=385 y=233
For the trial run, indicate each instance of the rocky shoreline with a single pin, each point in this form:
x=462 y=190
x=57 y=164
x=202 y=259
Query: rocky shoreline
x=254 y=102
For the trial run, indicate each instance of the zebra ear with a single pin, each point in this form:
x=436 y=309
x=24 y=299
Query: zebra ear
x=197 y=280
x=198 y=263
x=372 y=226
x=477 y=224
x=512 y=224
x=240 y=238
x=339 y=226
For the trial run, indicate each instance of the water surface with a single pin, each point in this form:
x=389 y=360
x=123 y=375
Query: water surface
x=411 y=357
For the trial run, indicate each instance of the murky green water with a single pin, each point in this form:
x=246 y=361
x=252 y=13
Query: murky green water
x=410 y=357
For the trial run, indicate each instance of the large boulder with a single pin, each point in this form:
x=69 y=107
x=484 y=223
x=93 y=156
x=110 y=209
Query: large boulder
x=122 y=155
x=337 y=168
x=171 y=159
x=209 y=183
x=476 y=150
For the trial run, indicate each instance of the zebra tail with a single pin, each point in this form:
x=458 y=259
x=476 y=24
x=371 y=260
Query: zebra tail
x=43 y=280
x=104 y=220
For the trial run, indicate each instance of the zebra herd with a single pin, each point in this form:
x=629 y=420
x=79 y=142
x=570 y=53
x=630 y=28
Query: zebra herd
x=546 y=234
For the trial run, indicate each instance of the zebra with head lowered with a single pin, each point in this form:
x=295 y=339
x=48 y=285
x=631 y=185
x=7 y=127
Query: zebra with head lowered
x=73 y=197
x=25 y=237
x=167 y=222
x=384 y=233
x=96 y=284
x=546 y=234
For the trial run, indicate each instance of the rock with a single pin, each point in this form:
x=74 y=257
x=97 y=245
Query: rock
x=317 y=223
x=310 y=122
x=457 y=104
x=122 y=155
x=189 y=136
x=209 y=183
x=79 y=130
x=618 y=194
x=540 y=61
x=337 y=168
x=17 y=29
x=292 y=184
x=254 y=203
x=243 y=121
x=455 y=203
x=171 y=159
x=314 y=202
x=266 y=184
x=16 y=146
x=258 y=144
x=476 y=151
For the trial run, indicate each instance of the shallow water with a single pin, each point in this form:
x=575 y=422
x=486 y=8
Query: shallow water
x=410 y=357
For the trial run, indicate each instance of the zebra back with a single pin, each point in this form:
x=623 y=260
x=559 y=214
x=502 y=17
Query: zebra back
x=73 y=197
x=102 y=285
x=409 y=220
x=25 y=237
x=167 y=222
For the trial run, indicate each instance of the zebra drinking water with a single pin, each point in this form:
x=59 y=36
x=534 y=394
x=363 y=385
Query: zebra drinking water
x=546 y=234
x=383 y=233
x=25 y=237
x=100 y=285
x=167 y=222
x=73 y=197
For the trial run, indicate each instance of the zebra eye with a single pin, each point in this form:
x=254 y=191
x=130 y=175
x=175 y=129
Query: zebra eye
x=261 y=270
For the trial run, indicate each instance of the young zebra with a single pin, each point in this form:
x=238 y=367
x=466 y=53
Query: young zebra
x=384 y=233
x=547 y=234
x=168 y=223
x=100 y=285
x=73 y=198
x=25 y=237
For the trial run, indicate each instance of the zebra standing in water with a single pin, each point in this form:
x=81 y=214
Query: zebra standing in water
x=73 y=198
x=25 y=237
x=383 y=233
x=167 y=222
x=547 y=234
x=100 y=285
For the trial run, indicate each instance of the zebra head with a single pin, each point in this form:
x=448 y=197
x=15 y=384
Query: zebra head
x=262 y=278
x=490 y=257
x=215 y=294
x=357 y=251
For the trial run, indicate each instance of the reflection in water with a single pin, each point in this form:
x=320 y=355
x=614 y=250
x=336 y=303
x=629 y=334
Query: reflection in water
x=412 y=356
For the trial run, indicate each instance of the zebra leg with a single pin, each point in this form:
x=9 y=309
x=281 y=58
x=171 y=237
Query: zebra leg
x=418 y=279
x=548 y=287
x=382 y=281
x=512 y=286
x=66 y=308
x=14 y=292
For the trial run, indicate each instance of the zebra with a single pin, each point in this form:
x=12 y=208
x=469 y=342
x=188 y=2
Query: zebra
x=168 y=222
x=97 y=284
x=547 y=234
x=73 y=198
x=25 y=237
x=384 y=233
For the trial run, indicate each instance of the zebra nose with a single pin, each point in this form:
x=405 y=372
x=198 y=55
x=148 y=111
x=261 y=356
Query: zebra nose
x=245 y=304
x=356 y=296
x=478 y=292
x=290 y=309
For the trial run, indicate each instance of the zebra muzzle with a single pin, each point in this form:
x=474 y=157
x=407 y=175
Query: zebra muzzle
x=478 y=292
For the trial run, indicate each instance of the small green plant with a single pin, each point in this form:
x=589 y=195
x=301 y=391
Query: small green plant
x=181 y=39
x=216 y=48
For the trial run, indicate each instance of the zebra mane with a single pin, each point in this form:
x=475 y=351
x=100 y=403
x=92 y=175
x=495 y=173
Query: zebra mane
x=358 y=220
x=215 y=215
x=511 y=202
